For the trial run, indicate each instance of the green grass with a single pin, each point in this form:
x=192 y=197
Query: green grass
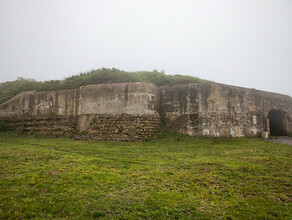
x=173 y=177
x=10 y=89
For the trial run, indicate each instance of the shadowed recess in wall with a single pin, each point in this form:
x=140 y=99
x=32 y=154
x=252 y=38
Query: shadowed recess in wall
x=278 y=123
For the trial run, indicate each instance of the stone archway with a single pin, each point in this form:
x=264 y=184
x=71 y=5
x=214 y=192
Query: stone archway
x=278 y=122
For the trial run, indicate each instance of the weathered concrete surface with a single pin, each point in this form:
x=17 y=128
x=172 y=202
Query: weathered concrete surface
x=118 y=111
x=32 y=103
x=118 y=98
x=214 y=109
x=209 y=109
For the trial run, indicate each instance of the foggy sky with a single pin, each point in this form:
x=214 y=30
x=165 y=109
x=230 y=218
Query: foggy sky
x=239 y=42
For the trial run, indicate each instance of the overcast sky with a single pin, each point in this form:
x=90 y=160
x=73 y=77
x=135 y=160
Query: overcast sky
x=239 y=42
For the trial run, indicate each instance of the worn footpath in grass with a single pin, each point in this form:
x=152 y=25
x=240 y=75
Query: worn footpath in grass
x=174 y=177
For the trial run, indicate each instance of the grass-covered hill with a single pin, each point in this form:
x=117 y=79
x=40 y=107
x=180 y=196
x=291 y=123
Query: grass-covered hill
x=10 y=89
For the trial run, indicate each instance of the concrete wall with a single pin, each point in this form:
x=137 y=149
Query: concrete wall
x=214 y=109
x=118 y=98
x=118 y=111
x=115 y=110
x=32 y=103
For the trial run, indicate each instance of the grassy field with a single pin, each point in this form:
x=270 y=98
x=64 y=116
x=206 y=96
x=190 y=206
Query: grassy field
x=173 y=177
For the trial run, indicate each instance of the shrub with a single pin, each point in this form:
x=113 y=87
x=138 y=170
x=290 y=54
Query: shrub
x=10 y=89
x=3 y=126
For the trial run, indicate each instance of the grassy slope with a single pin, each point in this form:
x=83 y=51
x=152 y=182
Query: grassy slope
x=10 y=89
x=172 y=177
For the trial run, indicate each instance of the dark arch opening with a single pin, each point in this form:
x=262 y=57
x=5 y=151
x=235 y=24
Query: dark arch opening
x=278 y=125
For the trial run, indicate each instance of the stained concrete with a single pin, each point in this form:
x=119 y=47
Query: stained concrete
x=118 y=98
x=202 y=109
x=214 y=109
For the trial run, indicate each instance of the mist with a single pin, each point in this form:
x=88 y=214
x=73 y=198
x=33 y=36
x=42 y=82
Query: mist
x=239 y=42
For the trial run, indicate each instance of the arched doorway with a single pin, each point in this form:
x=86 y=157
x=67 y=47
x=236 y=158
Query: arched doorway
x=278 y=125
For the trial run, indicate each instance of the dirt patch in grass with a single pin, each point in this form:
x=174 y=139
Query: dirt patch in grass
x=281 y=140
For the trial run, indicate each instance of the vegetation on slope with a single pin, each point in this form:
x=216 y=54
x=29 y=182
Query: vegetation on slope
x=10 y=89
x=173 y=177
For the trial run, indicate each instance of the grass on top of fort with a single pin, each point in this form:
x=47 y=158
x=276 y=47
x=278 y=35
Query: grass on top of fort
x=172 y=177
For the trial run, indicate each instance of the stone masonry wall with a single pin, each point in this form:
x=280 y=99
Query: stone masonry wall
x=131 y=111
x=43 y=125
x=102 y=127
x=117 y=111
x=122 y=127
